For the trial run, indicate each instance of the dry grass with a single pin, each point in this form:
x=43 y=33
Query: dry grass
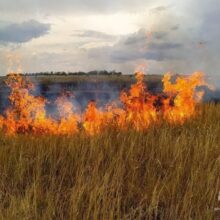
x=51 y=79
x=91 y=78
x=166 y=172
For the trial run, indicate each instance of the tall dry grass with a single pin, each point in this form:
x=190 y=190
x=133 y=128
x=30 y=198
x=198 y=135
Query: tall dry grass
x=166 y=172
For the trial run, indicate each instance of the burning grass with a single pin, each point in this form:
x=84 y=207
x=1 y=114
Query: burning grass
x=156 y=157
x=169 y=171
x=140 y=109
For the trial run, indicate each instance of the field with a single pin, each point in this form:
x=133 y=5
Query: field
x=85 y=88
x=82 y=78
x=164 y=172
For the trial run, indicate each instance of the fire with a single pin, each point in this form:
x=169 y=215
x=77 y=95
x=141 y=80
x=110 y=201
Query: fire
x=184 y=96
x=68 y=120
x=139 y=105
x=95 y=120
x=27 y=113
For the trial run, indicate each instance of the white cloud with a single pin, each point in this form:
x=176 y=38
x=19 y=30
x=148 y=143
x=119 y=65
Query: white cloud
x=181 y=36
x=74 y=6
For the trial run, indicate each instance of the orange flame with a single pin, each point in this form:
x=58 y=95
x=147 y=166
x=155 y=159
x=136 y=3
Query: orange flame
x=139 y=105
x=185 y=97
x=68 y=120
x=26 y=113
x=94 y=120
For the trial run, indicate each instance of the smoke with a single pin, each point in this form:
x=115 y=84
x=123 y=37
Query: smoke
x=81 y=93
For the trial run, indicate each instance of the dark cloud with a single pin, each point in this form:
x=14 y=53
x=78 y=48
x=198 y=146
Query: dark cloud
x=138 y=46
x=164 y=46
x=160 y=35
x=138 y=37
x=23 y=32
x=143 y=47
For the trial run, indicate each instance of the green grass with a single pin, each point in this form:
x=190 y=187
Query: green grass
x=166 y=172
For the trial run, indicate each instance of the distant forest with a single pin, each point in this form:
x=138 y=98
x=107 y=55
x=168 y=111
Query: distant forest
x=80 y=73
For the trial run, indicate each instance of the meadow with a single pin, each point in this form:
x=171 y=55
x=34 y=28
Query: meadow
x=164 y=172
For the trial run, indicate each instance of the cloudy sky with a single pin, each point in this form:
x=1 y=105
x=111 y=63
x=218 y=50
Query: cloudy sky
x=121 y=35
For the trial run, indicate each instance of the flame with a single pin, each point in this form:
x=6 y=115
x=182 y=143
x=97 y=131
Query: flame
x=27 y=113
x=138 y=105
x=68 y=120
x=184 y=96
x=94 y=120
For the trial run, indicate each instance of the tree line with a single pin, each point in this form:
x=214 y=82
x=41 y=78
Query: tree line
x=79 y=73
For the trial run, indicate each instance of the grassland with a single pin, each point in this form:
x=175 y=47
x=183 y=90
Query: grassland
x=82 y=78
x=166 y=172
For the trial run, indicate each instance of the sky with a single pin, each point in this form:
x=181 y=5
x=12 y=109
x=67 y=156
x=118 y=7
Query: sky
x=155 y=36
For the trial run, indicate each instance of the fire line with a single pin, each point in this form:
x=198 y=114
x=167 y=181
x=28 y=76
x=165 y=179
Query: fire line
x=26 y=113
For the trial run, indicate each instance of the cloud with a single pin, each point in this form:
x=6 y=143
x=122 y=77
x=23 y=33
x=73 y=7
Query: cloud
x=138 y=46
x=184 y=35
x=138 y=37
x=22 y=32
x=94 y=35
x=76 y=6
x=159 y=9
x=164 y=46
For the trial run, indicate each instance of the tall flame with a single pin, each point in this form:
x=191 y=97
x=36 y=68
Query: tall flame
x=184 y=96
x=139 y=105
x=27 y=113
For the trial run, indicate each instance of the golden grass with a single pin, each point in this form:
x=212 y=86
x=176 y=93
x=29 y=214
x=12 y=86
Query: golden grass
x=166 y=172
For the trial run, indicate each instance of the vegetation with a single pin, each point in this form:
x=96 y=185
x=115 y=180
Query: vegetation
x=165 y=172
x=80 y=73
x=76 y=79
